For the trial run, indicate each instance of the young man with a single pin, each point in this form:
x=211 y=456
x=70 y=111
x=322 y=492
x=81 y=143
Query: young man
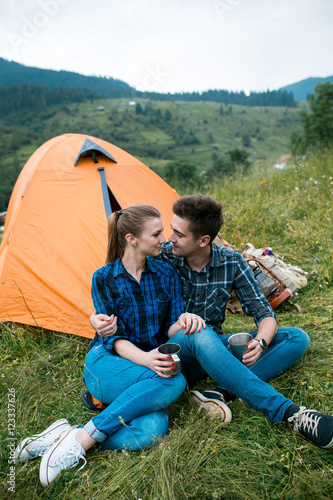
x=209 y=273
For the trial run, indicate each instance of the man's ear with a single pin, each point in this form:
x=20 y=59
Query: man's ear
x=205 y=240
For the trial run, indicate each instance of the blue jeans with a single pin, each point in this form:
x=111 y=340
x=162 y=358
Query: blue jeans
x=136 y=396
x=287 y=347
x=205 y=353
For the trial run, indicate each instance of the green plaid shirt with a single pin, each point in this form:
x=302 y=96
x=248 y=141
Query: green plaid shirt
x=206 y=292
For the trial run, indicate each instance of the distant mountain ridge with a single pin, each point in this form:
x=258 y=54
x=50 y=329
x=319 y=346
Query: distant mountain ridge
x=302 y=89
x=13 y=73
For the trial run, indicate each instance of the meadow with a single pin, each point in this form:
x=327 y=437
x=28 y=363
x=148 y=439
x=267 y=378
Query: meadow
x=289 y=210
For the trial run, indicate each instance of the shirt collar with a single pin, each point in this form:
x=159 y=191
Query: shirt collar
x=217 y=255
x=216 y=260
x=118 y=267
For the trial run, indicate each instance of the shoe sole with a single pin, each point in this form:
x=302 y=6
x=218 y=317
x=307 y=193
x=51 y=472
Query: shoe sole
x=328 y=446
x=19 y=459
x=213 y=407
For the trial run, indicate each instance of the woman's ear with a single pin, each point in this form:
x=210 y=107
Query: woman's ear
x=130 y=239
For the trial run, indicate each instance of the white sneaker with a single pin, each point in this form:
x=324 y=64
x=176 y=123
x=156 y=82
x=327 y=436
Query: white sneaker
x=64 y=454
x=35 y=446
x=214 y=406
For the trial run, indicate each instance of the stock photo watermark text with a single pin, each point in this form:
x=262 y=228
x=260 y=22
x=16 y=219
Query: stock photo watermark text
x=11 y=475
x=31 y=26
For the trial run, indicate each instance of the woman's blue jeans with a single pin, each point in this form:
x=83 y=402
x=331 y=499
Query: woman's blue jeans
x=205 y=353
x=137 y=398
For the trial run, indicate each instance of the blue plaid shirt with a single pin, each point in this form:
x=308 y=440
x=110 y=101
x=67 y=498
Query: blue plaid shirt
x=145 y=310
x=206 y=293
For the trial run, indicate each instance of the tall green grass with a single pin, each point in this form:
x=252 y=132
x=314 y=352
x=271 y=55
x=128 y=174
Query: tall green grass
x=251 y=458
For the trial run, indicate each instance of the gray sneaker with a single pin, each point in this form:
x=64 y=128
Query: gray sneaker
x=36 y=445
x=213 y=403
x=315 y=426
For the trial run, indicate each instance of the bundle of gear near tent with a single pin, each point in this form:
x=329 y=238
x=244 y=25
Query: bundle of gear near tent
x=55 y=233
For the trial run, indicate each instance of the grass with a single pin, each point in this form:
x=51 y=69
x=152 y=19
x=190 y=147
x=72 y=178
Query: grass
x=251 y=458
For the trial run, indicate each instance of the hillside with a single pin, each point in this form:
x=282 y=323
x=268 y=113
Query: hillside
x=156 y=133
x=302 y=89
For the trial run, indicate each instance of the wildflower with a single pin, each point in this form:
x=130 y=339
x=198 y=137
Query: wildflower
x=329 y=375
x=283 y=179
x=296 y=188
x=262 y=182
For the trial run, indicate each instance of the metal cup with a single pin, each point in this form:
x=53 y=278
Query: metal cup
x=173 y=350
x=238 y=344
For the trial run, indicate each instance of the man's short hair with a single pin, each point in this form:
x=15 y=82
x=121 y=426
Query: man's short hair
x=203 y=213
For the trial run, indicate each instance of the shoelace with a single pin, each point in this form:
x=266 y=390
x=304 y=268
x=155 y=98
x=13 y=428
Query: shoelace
x=39 y=451
x=71 y=459
x=302 y=420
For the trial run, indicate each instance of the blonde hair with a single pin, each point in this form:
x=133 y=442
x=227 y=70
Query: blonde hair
x=129 y=220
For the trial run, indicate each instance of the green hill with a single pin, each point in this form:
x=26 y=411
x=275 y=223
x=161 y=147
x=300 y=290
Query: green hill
x=155 y=132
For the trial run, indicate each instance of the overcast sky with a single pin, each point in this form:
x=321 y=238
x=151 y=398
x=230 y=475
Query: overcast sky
x=174 y=45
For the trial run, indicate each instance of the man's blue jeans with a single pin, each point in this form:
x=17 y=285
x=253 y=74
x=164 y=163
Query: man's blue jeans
x=287 y=347
x=205 y=353
x=137 y=399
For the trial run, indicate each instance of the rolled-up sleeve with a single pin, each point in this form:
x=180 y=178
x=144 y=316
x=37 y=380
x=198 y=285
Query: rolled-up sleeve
x=250 y=294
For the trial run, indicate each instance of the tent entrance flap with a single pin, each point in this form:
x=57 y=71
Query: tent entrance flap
x=90 y=148
x=110 y=202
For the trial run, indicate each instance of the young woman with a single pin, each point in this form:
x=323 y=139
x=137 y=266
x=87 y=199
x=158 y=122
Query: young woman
x=124 y=371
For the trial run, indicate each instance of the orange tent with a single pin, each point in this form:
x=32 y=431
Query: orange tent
x=55 y=231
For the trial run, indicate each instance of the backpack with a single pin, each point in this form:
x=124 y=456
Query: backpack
x=279 y=281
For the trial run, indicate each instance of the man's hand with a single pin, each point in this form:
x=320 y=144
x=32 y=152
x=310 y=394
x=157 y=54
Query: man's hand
x=253 y=353
x=104 y=325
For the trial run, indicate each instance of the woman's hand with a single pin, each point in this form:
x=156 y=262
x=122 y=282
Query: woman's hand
x=191 y=322
x=158 y=362
x=104 y=325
